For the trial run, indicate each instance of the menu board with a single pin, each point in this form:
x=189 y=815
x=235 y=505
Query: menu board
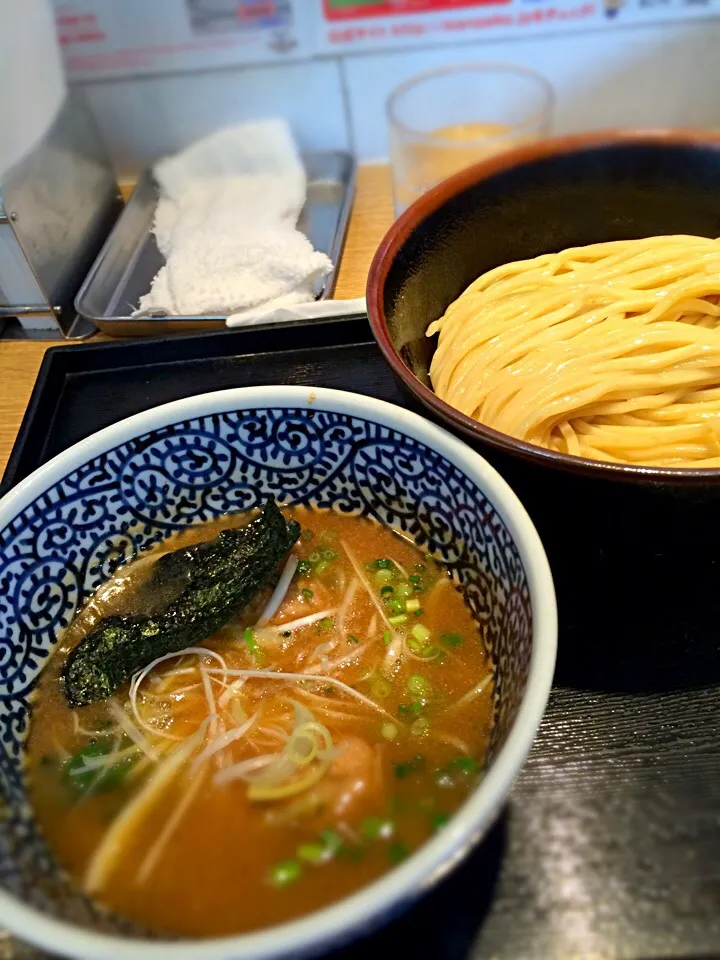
x=349 y=25
x=112 y=38
x=134 y=37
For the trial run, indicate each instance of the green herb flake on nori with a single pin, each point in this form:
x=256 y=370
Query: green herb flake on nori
x=211 y=581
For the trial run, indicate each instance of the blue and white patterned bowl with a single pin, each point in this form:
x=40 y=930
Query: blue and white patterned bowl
x=64 y=529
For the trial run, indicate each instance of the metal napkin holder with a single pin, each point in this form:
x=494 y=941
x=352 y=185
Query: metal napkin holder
x=57 y=206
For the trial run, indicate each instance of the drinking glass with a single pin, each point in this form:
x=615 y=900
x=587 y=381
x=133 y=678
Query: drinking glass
x=447 y=119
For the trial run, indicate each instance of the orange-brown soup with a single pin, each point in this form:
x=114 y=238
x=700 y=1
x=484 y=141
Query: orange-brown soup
x=306 y=758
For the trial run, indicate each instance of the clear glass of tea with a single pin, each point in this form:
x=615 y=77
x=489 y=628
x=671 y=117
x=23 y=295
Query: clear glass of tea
x=447 y=119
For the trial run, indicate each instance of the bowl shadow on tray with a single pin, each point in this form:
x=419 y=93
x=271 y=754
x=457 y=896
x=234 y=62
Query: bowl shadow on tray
x=636 y=570
x=444 y=923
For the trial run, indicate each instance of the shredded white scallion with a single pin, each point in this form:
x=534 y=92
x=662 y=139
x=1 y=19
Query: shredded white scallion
x=471 y=694
x=306 y=621
x=295 y=677
x=209 y=696
x=278 y=594
x=104 y=761
x=345 y=604
x=139 y=677
x=112 y=845
x=154 y=853
x=129 y=729
x=224 y=740
x=366 y=583
x=303 y=760
x=231 y=691
x=79 y=728
x=331 y=665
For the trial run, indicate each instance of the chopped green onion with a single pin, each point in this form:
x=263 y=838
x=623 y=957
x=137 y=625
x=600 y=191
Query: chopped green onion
x=312 y=853
x=386 y=591
x=251 y=642
x=397 y=852
x=307 y=534
x=417 y=588
x=439 y=820
x=377 y=828
x=322 y=566
x=451 y=639
x=418 y=685
x=465 y=765
x=403 y=590
x=333 y=841
x=325 y=624
x=76 y=775
x=382 y=564
x=401 y=618
x=285 y=873
x=380 y=688
x=396 y=606
x=416 y=765
x=427 y=651
x=420 y=567
x=389 y=731
x=307 y=593
x=420 y=727
x=412 y=606
x=303 y=568
x=414 y=579
x=329 y=554
x=410 y=709
x=354 y=853
x=447 y=776
x=352 y=639
x=382 y=576
x=420 y=633
x=315 y=557
x=387 y=638
x=419 y=612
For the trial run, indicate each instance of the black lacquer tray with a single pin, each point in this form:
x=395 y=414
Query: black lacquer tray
x=610 y=846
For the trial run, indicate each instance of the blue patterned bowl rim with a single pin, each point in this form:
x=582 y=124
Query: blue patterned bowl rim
x=360 y=912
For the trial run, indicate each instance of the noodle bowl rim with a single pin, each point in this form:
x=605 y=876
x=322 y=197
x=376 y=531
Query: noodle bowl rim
x=430 y=203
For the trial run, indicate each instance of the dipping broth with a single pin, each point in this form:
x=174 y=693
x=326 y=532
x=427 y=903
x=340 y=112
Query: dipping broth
x=304 y=757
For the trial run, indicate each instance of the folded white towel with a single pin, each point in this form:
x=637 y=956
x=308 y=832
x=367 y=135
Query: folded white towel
x=225 y=223
x=280 y=311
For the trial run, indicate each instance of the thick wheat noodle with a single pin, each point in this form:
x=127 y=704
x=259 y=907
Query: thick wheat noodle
x=610 y=351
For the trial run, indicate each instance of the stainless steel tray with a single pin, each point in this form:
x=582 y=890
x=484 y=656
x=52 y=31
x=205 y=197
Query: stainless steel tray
x=127 y=263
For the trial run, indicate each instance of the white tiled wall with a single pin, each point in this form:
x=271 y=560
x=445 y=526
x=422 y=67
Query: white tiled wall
x=142 y=119
x=666 y=74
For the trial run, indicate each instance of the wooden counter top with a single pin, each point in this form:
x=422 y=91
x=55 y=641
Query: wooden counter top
x=371 y=216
